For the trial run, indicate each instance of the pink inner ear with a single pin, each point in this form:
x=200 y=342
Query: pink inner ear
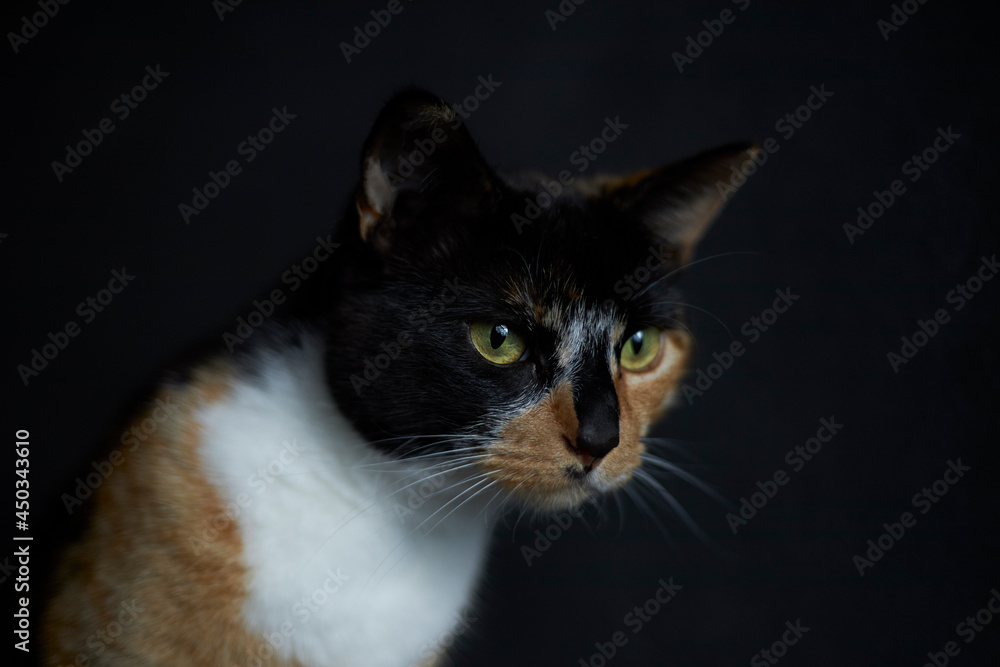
x=367 y=217
x=375 y=199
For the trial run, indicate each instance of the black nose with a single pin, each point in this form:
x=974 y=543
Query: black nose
x=598 y=439
x=597 y=414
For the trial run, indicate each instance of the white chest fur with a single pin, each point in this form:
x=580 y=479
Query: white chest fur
x=342 y=568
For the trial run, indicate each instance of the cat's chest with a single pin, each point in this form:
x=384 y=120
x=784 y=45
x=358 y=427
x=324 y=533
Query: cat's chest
x=341 y=566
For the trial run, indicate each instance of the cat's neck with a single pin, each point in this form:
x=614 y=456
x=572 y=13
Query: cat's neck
x=332 y=530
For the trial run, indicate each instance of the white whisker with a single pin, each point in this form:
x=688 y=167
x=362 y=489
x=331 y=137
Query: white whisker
x=633 y=493
x=681 y=512
x=689 y=478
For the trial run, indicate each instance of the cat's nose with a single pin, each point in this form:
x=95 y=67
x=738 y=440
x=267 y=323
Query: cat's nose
x=597 y=437
x=596 y=404
x=597 y=426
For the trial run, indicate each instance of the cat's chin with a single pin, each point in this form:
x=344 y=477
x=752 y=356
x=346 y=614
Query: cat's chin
x=573 y=494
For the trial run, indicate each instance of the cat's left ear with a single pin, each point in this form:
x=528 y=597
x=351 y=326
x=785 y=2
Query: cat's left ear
x=419 y=159
x=679 y=202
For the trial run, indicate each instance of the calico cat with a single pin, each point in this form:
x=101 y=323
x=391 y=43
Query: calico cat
x=326 y=497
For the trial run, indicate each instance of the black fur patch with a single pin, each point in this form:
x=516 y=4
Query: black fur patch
x=398 y=304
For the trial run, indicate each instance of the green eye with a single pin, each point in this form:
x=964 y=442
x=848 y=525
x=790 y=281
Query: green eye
x=640 y=349
x=497 y=342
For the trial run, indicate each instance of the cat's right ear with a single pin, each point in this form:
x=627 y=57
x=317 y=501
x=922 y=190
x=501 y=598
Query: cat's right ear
x=418 y=155
x=679 y=202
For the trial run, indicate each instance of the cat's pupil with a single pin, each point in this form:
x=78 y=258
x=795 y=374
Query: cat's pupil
x=636 y=341
x=498 y=336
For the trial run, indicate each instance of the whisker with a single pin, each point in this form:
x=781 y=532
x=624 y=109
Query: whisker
x=402 y=542
x=633 y=493
x=424 y=478
x=688 y=305
x=694 y=263
x=482 y=478
x=510 y=494
x=416 y=528
x=513 y=532
x=421 y=457
x=373 y=499
x=431 y=529
x=681 y=324
x=673 y=444
x=690 y=479
x=490 y=502
x=621 y=513
x=445 y=436
x=681 y=512
x=431 y=466
x=461 y=504
x=414 y=453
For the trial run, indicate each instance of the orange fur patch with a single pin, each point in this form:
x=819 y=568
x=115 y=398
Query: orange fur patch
x=536 y=442
x=532 y=456
x=153 y=548
x=644 y=397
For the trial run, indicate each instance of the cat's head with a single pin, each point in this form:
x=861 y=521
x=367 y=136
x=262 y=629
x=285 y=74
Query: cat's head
x=527 y=327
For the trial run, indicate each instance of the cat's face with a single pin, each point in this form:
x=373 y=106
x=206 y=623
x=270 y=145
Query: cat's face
x=531 y=338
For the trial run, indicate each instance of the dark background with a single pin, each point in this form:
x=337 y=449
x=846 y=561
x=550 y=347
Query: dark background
x=826 y=357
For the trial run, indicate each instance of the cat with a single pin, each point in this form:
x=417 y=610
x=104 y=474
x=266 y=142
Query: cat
x=326 y=495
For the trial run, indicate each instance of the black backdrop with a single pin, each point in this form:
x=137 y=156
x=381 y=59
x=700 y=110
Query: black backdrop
x=894 y=91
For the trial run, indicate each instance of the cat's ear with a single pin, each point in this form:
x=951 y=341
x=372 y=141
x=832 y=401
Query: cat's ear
x=679 y=202
x=418 y=155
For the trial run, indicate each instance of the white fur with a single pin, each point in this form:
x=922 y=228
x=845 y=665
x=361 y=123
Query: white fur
x=325 y=524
